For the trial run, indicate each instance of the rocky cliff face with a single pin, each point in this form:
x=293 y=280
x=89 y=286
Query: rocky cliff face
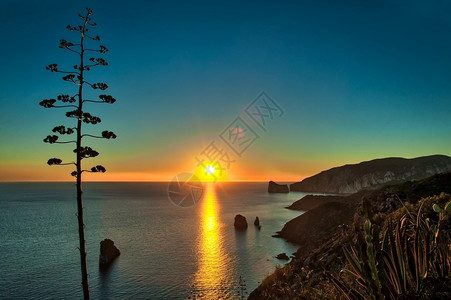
x=373 y=174
x=315 y=226
x=312 y=201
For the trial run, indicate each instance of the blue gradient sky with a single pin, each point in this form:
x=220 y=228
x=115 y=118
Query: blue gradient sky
x=357 y=81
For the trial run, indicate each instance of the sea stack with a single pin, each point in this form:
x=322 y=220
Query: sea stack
x=257 y=222
x=277 y=188
x=108 y=253
x=240 y=222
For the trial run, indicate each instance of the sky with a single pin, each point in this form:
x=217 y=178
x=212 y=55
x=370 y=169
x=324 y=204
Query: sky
x=351 y=80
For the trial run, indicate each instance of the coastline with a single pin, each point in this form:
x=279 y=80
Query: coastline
x=321 y=235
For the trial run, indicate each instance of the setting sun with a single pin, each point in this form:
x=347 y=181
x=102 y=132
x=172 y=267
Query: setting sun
x=210 y=171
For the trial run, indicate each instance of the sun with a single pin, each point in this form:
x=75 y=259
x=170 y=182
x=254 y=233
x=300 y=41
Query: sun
x=210 y=169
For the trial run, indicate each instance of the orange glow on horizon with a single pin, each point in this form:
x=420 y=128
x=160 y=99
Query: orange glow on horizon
x=245 y=172
x=142 y=177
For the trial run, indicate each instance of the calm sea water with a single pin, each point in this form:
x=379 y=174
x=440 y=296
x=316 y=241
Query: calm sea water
x=167 y=252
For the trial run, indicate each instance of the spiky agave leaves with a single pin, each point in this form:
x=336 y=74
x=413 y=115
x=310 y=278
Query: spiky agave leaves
x=408 y=251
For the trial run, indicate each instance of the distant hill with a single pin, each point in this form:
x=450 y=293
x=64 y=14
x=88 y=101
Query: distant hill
x=372 y=174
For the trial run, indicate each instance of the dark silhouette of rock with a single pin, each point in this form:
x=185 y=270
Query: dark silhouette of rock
x=108 y=253
x=277 y=188
x=282 y=256
x=240 y=222
x=373 y=174
x=316 y=225
x=311 y=201
x=257 y=222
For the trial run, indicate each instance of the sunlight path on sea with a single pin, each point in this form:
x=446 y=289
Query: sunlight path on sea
x=211 y=279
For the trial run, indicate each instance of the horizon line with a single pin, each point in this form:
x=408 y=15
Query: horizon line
x=138 y=181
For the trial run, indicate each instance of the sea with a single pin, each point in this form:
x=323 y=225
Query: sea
x=168 y=250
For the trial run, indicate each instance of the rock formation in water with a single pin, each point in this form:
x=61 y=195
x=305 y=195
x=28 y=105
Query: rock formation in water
x=257 y=221
x=373 y=174
x=277 y=188
x=108 y=253
x=240 y=222
x=282 y=256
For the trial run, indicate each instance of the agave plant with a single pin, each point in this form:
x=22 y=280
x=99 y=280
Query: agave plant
x=397 y=266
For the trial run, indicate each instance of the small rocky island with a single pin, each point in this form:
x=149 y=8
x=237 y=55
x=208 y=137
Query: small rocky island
x=108 y=253
x=257 y=221
x=277 y=188
x=240 y=222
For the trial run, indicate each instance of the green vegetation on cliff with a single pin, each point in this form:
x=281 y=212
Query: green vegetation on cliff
x=396 y=247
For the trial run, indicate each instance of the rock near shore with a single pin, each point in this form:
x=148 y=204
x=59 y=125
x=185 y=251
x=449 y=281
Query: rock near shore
x=282 y=256
x=277 y=188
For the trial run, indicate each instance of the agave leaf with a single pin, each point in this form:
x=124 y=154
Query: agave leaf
x=354 y=262
x=436 y=208
x=399 y=246
x=392 y=274
x=448 y=207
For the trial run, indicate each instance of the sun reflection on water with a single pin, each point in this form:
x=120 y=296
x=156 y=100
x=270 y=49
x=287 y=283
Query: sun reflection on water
x=210 y=280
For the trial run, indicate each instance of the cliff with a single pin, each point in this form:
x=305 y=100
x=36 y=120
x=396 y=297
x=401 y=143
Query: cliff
x=314 y=227
x=321 y=236
x=373 y=174
x=311 y=201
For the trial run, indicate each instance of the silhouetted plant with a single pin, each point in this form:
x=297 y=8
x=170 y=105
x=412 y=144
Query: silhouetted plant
x=77 y=76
